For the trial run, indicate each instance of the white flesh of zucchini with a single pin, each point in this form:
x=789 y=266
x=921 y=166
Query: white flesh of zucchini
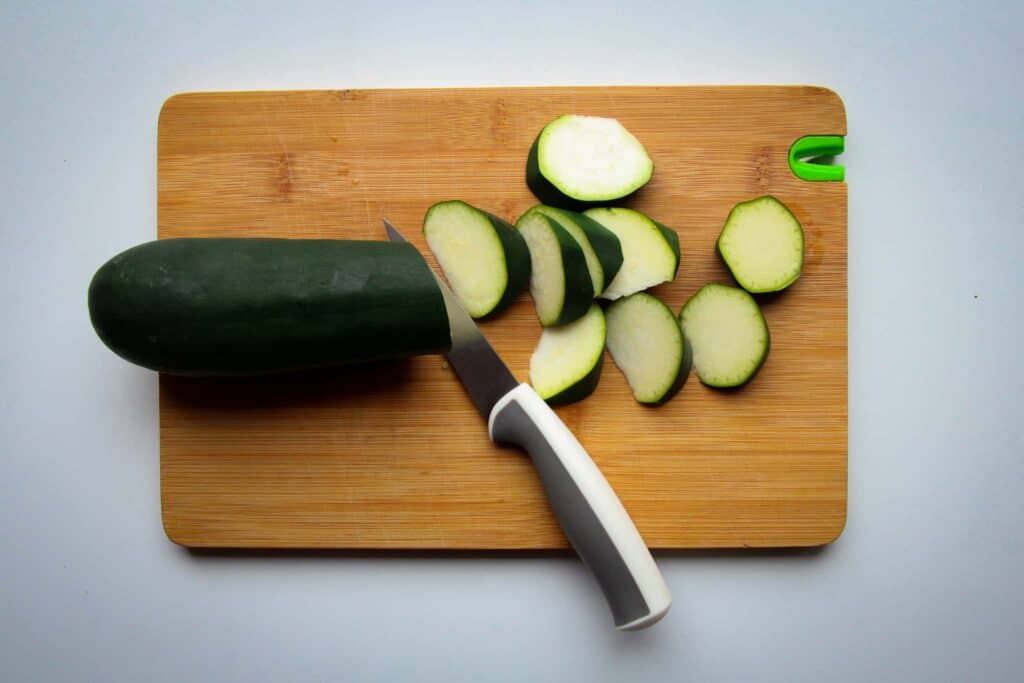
x=647 y=257
x=763 y=245
x=590 y=158
x=470 y=253
x=728 y=334
x=593 y=264
x=646 y=343
x=567 y=355
x=547 y=275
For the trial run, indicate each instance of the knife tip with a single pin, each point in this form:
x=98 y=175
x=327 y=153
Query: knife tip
x=393 y=233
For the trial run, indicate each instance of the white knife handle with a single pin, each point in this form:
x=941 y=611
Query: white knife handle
x=587 y=508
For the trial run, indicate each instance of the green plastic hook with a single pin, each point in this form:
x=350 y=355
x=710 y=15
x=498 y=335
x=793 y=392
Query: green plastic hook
x=811 y=147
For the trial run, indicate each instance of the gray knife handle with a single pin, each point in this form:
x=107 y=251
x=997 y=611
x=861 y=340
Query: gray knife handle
x=587 y=508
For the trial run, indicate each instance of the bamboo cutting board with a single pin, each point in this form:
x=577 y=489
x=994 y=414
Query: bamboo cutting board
x=394 y=455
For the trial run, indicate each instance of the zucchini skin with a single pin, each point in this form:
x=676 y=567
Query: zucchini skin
x=672 y=237
x=605 y=244
x=579 y=391
x=542 y=188
x=579 y=290
x=685 y=365
x=245 y=306
x=517 y=262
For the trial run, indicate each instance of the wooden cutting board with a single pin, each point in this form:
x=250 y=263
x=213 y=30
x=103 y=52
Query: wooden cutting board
x=393 y=455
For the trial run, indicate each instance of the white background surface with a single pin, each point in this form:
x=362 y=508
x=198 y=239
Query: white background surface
x=924 y=585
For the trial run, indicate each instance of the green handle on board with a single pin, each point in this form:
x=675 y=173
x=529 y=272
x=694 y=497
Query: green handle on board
x=813 y=146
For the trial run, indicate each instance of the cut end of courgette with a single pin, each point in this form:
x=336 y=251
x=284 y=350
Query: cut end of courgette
x=483 y=264
x=588 y=159
x=566 y=365
x=762 y=243
x=728 y=333
x=650 y=251
x=560 y=283
x=647 y=344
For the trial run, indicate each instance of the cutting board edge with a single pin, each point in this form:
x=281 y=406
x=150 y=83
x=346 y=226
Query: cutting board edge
x=810 y=87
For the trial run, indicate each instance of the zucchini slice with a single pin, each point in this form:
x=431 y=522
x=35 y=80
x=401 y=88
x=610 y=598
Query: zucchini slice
x=650 y=251
x=566 y=365
x=484 y=258
x=559 y=280
x=648 y=345
x=762 y=243
x=584 y=160
x=600 y=245
x=729 y=335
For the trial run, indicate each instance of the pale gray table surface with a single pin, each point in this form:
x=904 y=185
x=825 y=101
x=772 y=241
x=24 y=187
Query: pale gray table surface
x=925 y=583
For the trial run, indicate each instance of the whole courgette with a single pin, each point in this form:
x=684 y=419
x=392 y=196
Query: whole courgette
x=238 y=306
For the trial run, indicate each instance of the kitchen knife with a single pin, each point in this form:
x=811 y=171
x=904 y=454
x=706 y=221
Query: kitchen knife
x=589 y=512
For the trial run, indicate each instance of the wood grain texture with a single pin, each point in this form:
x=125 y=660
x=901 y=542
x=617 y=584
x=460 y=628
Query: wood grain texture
x=394 y=456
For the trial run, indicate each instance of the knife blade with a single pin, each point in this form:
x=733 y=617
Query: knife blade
x=481 y=371
x=591 y=515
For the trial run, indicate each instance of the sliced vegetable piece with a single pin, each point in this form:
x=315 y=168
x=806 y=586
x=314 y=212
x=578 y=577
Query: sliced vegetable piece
x=566 y=365
x=762 y=243
x=648 y=346
x=582 y=160
x=559 y=280
x=728 y=332
x=485 y=259
x=650 y=251
x=600 y=245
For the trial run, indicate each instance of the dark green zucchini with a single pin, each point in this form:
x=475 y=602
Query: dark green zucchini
x=252 y=306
